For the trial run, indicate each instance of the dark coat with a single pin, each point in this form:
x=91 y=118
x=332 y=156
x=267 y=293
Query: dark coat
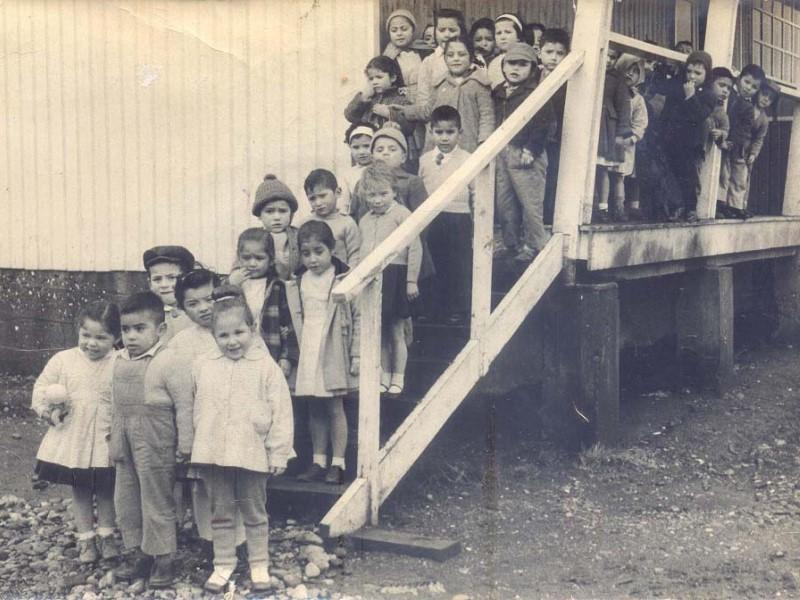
x=741 y=115
x=359 y=110
x=535 y=133
x=615 y=118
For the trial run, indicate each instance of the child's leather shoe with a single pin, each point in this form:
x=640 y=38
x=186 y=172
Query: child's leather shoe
x=138 y=566
x=87 y=551
x=163 y=574
x=108 y=547
x=313 y=473
x=335 y=475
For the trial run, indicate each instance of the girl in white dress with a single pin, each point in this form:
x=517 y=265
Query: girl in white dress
x=71 y=395
x=329 y=348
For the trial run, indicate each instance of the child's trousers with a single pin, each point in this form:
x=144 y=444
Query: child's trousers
x=519 y=198
x=450 y=241
x=145 y=477
x=230 y=488
x=201 y=507
x=733 y=176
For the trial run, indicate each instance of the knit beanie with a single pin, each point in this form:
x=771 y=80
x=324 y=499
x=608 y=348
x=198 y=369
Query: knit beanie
x=406 y=14
x=392 y=131
x=704 y=58
x=272 y=189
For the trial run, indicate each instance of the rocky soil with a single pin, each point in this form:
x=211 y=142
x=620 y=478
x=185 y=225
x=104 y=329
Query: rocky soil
x=700 y=500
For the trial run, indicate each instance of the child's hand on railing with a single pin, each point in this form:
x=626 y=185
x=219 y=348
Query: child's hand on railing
x=412 y=290
x=355 y=366
x=275 y=470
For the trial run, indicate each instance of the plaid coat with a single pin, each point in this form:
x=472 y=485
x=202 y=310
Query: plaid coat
x=276 y=323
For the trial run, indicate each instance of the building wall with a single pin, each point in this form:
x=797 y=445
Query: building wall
x=643 y=19
x=129 y=124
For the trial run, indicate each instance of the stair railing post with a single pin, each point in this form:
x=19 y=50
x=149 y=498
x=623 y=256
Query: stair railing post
x=581 y=128
x=791 y=194
x=482 y=251
x=719 y=42
x=369 y=395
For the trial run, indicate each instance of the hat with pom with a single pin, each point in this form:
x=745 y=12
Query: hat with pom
x=270 y=190
x=392 y=131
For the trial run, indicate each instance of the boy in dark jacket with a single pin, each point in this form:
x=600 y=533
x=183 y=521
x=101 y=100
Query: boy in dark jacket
x=685 y=138
x=522 y=164
x=741 y=113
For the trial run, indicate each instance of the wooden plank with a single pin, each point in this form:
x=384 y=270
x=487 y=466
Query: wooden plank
x=369 y=395
x=791 y=194
x=292 y=485
x=579 y=139
x=719 y=42
x=482 y=250
x=411 y=227
x=648 y=245
x=649 y=50
x=400 y=542
x=416 y=432
x=521 y=299
x=350 y=512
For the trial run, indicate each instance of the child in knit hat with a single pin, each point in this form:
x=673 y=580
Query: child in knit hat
x=275 y=205
x=401 y=27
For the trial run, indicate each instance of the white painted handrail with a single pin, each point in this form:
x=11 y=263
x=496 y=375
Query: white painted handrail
x=383 y=255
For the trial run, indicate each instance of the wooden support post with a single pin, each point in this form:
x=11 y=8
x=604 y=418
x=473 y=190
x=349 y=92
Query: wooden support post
x=369 y=395
x=576 y=172
x=719 y=41
x=704 y=322
x=482 y=246
x=581 y=389
x=791 y=194
x=786 y=284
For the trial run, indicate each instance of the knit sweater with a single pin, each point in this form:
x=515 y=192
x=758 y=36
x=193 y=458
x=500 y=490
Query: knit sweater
x=376 y=228
x=434 y=175
x=346 y=234
x=80 y=441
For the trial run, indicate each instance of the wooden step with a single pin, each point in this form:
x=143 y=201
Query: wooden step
x=400 y=542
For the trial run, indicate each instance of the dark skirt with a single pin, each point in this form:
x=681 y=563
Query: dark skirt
x=92 y=477
x=394 y=295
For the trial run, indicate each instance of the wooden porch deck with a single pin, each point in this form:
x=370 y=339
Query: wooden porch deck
x=647 y=249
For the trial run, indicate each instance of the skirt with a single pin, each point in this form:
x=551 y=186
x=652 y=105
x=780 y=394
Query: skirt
x=394 y=296
x=92 y=477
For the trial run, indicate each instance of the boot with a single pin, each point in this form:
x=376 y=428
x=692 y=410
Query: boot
x=108 y=547
x=87 y=551
x=163 y=574
x=137 y=566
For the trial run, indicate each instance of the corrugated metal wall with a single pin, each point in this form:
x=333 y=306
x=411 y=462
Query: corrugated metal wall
x=129 y=124
x=643 y=19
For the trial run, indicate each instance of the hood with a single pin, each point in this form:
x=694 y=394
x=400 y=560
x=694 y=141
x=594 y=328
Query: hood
x=698 y=56
x=625 y=62
x=339 y=267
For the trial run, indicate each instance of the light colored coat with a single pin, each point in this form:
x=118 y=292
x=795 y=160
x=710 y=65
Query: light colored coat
x=342 y=334
x=242 y=411
x=80 y=441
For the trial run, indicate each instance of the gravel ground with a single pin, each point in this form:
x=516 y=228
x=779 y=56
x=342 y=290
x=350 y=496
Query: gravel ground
x=700 y=500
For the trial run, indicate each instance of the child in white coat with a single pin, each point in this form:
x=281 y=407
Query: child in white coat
x=243 y=433
x=68 y=396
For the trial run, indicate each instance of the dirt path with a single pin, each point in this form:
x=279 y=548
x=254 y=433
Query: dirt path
x=702 y=500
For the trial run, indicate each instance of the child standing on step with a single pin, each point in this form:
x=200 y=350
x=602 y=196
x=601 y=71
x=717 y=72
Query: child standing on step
x=380 y=100
x=482 y=36
x=329 y=348
x=275 y=205
x=69 y=395
x=401 y=26
x=508 y=29
x=359 y=139
x=399 y=288
x=323 y=192
x=265 y=294
x=767 y=95
x=243 y=433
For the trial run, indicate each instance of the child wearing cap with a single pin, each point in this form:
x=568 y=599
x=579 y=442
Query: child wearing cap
x=275 y=205
x=522 y=164
x=164 y=266
x=401 y=26
x=359 y=139
x=734 y=170
x=508 y=29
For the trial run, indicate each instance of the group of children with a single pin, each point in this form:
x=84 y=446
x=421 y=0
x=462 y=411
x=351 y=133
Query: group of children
x=201 y=388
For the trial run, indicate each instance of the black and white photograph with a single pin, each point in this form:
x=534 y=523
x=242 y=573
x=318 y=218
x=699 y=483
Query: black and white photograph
x=399 y=299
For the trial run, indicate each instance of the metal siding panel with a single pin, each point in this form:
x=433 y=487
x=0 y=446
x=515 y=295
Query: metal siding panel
x=5 y=167
x=15 y=134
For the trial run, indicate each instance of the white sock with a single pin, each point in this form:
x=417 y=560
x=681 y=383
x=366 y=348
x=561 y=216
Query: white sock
x=105 y=531
x=321 y=460
x=602 y=206
x=224 y=572
x=634 y=204
x=338 y=461
x=399 y=379
x=86 y=535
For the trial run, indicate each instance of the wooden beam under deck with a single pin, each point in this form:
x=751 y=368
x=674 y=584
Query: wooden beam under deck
x=618 y=246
